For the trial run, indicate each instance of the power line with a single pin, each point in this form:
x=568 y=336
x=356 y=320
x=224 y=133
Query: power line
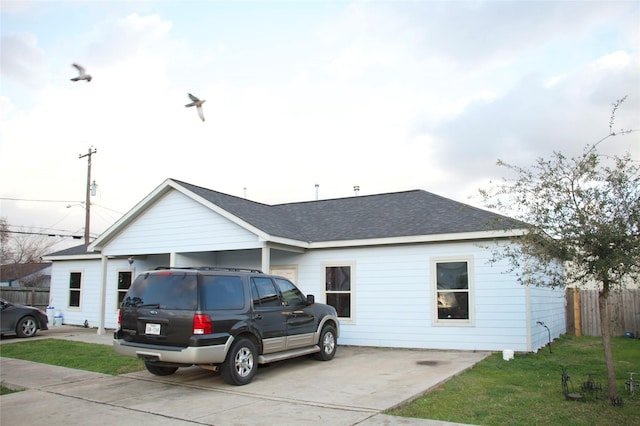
x=75 y=237
x=39 y=201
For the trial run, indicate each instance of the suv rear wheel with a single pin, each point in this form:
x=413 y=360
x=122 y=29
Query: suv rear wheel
x=159 y=370
x=241 y=363
x=327 y=343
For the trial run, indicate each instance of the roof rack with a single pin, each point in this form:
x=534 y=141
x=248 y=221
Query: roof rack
x=211 y=268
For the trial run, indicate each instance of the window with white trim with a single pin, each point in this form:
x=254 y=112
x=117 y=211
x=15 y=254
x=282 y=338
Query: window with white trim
x=453 y=290
x=339 y=289
x=124 y=282
x=75 y=289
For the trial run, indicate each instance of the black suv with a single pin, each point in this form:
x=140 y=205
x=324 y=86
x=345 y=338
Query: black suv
x=222 y=318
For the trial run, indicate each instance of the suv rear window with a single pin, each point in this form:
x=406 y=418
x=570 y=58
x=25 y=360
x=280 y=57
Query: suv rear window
x=165 y=290
x=222 y=292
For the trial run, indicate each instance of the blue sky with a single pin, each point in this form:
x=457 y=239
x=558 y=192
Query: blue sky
x=389 y=96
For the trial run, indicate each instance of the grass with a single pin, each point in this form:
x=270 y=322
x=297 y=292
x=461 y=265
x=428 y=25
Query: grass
x=78 y=355
x=524 y=391
x=527 y=390
x=4 y=390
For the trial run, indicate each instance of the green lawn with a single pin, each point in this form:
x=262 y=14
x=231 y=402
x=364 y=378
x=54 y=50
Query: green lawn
x=6 y=390
x=523 y=391
x=78 y=355
x=527 y=390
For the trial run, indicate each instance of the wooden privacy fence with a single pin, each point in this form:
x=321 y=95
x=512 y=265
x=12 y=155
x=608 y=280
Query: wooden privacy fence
x=583 y=316
x=37 y=297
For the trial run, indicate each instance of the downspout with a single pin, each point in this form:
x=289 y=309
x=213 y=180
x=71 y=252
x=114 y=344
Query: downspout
x=527 y=298
x=103 y=294
x=527 y=301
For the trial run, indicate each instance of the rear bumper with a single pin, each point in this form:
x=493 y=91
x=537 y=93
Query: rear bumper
x=214 y=354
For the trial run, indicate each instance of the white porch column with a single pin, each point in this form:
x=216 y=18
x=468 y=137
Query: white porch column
x=266 y=259
x=103 y=295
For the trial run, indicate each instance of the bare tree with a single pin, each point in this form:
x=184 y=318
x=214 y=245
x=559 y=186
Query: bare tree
x=583 y=212
x=23 y=246
x=5 y=252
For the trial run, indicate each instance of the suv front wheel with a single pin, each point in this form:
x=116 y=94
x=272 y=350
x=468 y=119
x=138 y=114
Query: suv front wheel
x=327 y=344
x=241 y=363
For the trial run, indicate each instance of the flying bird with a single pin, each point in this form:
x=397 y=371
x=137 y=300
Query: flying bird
x=82 y=75
x=197 y=103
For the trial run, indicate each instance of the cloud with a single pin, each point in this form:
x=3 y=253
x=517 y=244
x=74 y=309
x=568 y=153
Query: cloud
x=6 y=106
x=387 y=96
x=534 y=118
x=119 y=40
x=22 y=60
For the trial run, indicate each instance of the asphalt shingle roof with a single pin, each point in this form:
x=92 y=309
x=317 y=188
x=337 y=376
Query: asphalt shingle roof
x=15 y=271
x=398 y=214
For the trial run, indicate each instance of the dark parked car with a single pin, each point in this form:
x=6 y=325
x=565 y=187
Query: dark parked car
x=221 y=318
x=24 y=321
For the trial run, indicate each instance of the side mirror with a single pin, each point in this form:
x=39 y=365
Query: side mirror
x=311 y=299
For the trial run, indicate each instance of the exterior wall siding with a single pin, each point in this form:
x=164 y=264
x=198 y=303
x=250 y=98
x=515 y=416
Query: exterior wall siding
x=393 y=294
x=90 y=291
x=394 y=298
x=176 y=223
x=393 y=289
x=548 y=307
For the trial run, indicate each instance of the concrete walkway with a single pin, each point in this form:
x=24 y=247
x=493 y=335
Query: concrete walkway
x=352 y=389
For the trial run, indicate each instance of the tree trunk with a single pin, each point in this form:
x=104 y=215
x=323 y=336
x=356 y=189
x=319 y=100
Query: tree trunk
x=605 y=328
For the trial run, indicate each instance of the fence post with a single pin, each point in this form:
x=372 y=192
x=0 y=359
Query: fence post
x=576 y=312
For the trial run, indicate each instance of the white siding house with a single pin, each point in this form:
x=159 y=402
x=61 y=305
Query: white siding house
x=408 y=269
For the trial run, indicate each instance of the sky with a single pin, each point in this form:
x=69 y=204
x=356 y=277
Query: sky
x=388 y=96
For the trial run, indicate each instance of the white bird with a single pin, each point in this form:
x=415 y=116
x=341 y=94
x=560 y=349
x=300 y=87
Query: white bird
x=82 y=75
x=198 y=104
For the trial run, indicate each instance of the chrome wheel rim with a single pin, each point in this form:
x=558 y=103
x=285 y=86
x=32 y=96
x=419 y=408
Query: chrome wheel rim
x=244 y=362
x=29 y=327
x=328 y=343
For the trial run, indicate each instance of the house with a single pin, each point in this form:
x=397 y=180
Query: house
x=36 y=274
x=407 y=269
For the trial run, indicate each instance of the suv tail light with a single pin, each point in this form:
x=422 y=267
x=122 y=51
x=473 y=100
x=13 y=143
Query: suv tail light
x=202 y=324
x=120 y=317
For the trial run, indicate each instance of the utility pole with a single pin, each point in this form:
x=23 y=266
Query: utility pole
x=87 y=202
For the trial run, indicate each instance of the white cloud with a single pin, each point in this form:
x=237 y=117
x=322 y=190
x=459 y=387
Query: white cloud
x=6 y=106
x=615 y=60
x=21 y=59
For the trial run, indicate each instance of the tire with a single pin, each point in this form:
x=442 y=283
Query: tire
x=158 y=370
x=27 y=327
x=327 y=343
x=241 y=363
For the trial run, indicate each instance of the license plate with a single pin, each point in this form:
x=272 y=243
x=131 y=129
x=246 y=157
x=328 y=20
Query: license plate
x=152 y=328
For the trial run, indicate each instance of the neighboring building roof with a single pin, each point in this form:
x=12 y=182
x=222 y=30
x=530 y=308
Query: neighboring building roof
x=16 y=271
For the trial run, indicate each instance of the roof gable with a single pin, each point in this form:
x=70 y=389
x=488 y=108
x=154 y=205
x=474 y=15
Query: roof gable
x=381 y=216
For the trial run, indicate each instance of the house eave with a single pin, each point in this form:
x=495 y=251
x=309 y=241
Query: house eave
x=418 y=239
x=87 y=256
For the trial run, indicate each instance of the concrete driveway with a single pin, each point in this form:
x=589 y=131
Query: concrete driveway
x=353 y=388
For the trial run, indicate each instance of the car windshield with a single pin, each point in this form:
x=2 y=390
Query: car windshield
x=163 y=291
